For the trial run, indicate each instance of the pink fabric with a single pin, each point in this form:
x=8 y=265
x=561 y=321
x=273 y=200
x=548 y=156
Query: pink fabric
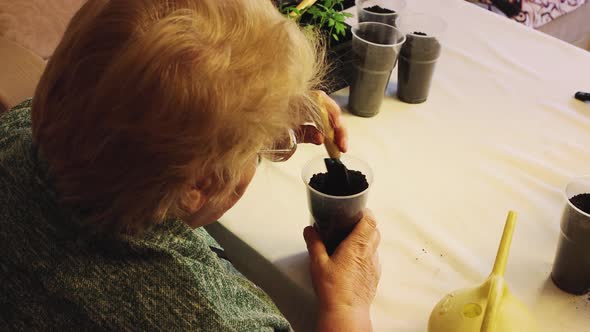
x=37 y=25
x=536 y=13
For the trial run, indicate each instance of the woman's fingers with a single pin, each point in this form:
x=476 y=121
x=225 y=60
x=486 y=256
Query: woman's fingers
x=308 y=133
x=375 y=240
x=341 y=138
x=333 y=109
x=376 y=269
x=349 y=277
x=315 y=246
x=365 y=233
x=377 y=264
x=335 y=115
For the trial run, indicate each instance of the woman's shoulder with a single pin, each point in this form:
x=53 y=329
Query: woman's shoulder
x=17 y=118
x=167 y=279
x=179 y=271
x=198 y=271
x=15 y=133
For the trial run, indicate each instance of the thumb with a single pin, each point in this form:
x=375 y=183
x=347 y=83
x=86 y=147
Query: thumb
x=315 y=246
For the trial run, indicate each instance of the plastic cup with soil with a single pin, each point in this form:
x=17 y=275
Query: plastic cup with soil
x=335 y=209
x=418 y=55
x=571 y=268
x=383 y=11
x=375 y=47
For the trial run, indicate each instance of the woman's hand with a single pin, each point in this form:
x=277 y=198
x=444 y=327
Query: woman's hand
x=345 y=283
x=308 y=133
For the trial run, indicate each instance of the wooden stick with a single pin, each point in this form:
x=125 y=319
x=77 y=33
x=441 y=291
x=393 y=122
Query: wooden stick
x=329 y=143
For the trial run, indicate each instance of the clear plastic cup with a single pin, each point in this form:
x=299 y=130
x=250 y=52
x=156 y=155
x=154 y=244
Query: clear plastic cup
x=571 y=268
x=418 y=55
x=335 y=216
x=383 y=11
x=375 y=47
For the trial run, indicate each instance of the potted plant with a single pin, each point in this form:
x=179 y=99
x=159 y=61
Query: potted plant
x=329 y=18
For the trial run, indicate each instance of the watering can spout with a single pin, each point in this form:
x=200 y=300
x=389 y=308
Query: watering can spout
x=496 y=278
x=504 y=249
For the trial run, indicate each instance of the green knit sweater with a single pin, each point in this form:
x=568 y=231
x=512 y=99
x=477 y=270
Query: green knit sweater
x=52 y=277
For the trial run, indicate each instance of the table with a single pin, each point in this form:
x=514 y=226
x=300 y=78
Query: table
x=500 y=131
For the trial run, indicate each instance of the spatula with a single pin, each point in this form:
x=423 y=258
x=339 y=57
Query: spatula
x=337 y=172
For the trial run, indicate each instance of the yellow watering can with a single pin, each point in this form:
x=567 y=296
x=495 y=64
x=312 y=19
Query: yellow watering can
x=487 y=308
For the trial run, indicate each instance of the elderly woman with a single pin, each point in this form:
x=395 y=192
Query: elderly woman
x=148 y=123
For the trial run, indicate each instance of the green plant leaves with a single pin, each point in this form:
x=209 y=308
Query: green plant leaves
x=340 y=28
x=324 y=14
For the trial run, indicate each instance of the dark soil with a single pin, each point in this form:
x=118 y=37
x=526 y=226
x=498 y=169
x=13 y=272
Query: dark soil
x=357 y=183
x=379 y=10
x=582 y=202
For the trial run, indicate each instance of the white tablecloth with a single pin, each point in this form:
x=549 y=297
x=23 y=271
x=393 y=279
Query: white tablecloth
x=500 y=131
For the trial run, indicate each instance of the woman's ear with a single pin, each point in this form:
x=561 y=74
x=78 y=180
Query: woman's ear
x=193 y=200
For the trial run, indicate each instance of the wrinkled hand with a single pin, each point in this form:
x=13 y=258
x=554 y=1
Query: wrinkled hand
x=308 y=133
x=347 y=280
